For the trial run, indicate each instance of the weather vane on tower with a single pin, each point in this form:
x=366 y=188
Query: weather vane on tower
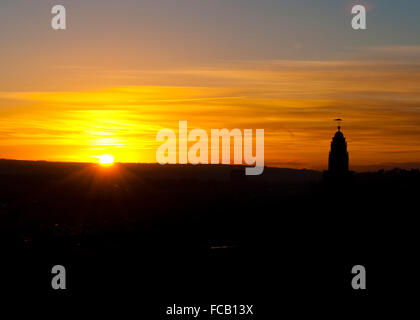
x=339 y=122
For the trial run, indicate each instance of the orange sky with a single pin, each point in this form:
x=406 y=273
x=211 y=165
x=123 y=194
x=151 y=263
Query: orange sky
x=294 y=102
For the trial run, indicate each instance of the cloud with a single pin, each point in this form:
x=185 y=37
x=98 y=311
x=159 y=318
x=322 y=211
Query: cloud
x=411 y=49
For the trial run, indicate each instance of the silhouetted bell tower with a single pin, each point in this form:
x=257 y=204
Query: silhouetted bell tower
x=338 y=161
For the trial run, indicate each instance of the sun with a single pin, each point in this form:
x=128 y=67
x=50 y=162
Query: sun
x=106 y=159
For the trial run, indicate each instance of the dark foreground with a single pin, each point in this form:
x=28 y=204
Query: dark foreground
x=149 y=236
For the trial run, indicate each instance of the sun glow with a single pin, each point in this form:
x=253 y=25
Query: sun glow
x=106 y=159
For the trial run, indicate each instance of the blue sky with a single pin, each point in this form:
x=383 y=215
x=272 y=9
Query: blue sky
x=212 y=30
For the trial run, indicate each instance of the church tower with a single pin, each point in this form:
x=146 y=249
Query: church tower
x=338 y=161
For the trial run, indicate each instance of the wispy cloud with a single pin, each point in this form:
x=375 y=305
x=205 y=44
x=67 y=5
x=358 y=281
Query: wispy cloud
x=293 y=101
x=407 y=49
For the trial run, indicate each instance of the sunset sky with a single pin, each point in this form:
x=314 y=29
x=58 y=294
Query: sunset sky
x=125 y=69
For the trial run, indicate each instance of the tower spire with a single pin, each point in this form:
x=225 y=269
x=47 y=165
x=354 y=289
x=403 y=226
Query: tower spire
x=339 y=122
x=338 y=160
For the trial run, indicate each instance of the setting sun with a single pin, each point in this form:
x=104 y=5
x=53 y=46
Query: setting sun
x=106 y=159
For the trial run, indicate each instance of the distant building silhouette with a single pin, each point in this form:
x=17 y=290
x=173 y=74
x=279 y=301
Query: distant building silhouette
x=338 y=160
